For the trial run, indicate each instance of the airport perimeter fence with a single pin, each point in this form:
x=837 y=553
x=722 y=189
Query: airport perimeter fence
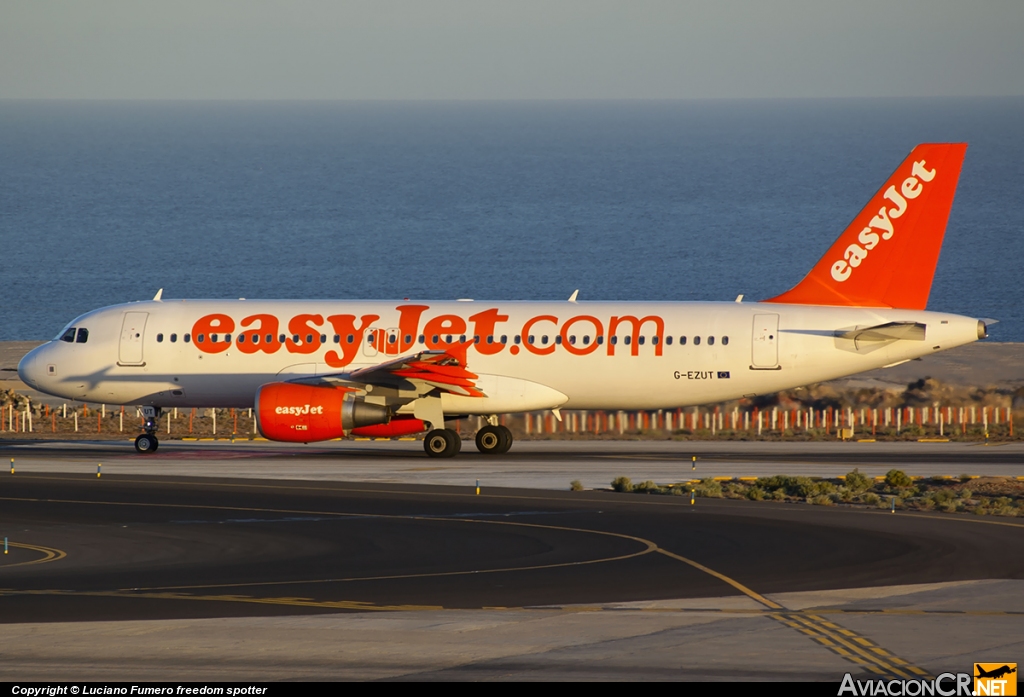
x=773 y=423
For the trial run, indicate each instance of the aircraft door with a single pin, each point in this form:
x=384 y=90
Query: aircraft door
x=133 y=331
x=765 y=348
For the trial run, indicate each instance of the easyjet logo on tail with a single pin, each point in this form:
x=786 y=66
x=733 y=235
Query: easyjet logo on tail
x=881 y=227
x=886 y=257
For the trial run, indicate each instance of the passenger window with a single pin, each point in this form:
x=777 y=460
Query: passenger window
x=83 y=336
x=654 y=339
x=408 y=338
x=711 y=341
x=323 y=338
x=544 y=339
x=558 y=338
x=490 y=339
x=504 y=338
x=476 y=338
x=369 y=339
x=696 y=341
x=516 y=340
x=642 y=339
x=270 y=338
x=434 y=339
x=309 y=338
x=69 y=336
x=600 y=339
x=200 y=338
x=295 y=338
x=227 y=338
x=241 y=338
x=725 y=341
x=627 y=340
x=281 y=338
x=614 y=340
x=337 y=338
x=462 y=339
x=422 y=339
x=392 y=338
x=586 y=339
x=159 y=338
x=213 y=338
x=174 y=338
x=530 y=338
x=448 y=339
x=187 y=338
x=350 y=338
x=682 y=341
x=572 y=339
x=668 y=340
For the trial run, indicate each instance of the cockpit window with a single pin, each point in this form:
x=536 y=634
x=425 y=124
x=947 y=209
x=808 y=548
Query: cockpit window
x=69 y=336
x=83 y=336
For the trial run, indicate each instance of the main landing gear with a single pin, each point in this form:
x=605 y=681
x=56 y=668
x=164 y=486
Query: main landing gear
x=442 y=442
x=492 y=439
x=147 y=442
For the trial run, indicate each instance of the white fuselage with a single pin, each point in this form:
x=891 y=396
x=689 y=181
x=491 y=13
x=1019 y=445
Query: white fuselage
x=586 y=355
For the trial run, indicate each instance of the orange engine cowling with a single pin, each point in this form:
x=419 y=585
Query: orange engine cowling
x=297 y=413
x=398 y=426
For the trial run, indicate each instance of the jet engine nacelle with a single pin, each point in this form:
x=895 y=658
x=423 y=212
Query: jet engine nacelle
x=298 y=413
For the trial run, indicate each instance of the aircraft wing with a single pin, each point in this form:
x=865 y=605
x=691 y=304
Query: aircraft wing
x=423 y=372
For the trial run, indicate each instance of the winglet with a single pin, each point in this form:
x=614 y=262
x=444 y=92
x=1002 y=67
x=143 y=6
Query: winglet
x=159 y=294
x=887 y=256
x=572 y=298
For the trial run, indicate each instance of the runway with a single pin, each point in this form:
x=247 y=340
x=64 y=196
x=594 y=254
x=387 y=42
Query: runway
x=133 y=574
x=530 y=464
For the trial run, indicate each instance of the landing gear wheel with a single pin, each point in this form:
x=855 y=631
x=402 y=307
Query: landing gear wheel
x=490 y=440
x=442 y=442
x=146 y=443
x=457 y=438
x=506 y=441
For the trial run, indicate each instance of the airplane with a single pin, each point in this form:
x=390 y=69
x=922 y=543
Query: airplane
x=994 y=673
x=314 y=370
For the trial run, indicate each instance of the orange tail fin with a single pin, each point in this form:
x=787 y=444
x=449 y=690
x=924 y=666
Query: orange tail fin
x=887 y=256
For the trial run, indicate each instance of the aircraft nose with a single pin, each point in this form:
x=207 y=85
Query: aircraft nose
x=31 y=369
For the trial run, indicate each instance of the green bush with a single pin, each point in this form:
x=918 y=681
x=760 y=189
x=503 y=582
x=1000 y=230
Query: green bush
x=871 y=498
x=576 y=485
x=897 y=478
x=801 y=487
x=755 y=493
x=857 y=481
x=708 y=488
x=646 y=487
x=622 y=485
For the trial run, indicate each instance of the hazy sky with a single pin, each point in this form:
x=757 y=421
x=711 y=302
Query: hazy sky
x=517 y=49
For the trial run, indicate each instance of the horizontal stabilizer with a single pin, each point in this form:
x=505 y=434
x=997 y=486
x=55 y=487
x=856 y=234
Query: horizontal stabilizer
x=890 y=331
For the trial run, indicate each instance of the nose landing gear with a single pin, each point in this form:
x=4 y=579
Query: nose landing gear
x=147 y=442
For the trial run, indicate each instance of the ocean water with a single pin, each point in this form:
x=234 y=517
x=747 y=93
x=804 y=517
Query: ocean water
x=105 y=202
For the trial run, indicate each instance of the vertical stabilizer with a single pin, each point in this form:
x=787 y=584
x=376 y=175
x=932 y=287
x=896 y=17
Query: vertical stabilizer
x=887 y=256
